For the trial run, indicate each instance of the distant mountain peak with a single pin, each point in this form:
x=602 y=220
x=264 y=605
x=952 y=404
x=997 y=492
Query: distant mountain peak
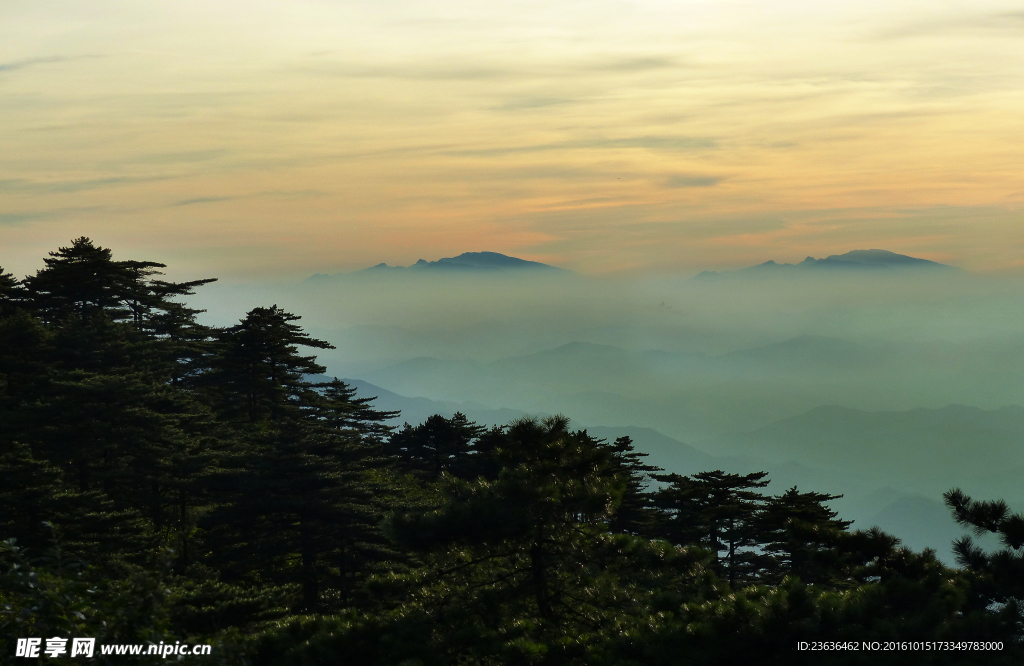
x=471 y=261
x=467 y=262
x=876 y=258
x=853 y=260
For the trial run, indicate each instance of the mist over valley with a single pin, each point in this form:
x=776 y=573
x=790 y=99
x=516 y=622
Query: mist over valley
x=858 y=373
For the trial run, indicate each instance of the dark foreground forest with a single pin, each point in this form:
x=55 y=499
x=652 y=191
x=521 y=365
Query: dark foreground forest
x=164 y=481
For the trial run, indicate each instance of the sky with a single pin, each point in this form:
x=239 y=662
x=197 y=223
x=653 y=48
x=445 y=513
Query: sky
x=272 y=140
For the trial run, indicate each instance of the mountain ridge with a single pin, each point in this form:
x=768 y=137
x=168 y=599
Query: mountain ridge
x=927 y=449
x=854 y=260
x=467 y=262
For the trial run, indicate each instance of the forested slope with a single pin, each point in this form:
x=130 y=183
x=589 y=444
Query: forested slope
x=165 y=481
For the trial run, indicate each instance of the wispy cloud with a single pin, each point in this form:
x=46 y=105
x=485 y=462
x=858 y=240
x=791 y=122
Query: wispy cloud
x=22 y=218
x=527 y=103
x=655 y=142
x=25 y=63
x=1005 y=22
x=63 y=186
x=17 y=219
x=201 y=200
x=269 y=194
x=29 y=62
x=460 y=71
x=634 y=65
x=183 y=157
x=689 y=180
x=425 y=72
x=589 y=203
x=650 y=142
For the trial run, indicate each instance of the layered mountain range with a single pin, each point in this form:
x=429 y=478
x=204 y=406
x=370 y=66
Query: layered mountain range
x=496 y=263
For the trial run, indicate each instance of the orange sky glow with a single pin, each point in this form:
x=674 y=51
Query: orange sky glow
x=279 y=139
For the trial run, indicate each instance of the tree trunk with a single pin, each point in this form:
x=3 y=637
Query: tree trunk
x=83 y=475
x=310 y=593
x=183 y=527
x=540 y=583
x=732 y=555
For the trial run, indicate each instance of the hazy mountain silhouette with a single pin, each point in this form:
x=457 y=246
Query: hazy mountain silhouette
x=467 y=262
x=921 y=522
x=803 y=351
x=920 y=450
x=688 y=395
x=417 y=410
x=663 y=450
x=855 y=260
x=871 y=259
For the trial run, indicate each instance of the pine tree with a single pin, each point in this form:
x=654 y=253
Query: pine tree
x=91 y=385
x=437 y=445
x=33 y=501
x=1002 y=572
x=78 y=281
x=634 y=513
x=717 y=511
x=10 y=290
x=796 y=532
x=28 y=488
x=258 y=374
x=82 y=280
x=521 y=568
x=296 y=503
x=25 y=358
x=338 y=408
x=527 y=533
